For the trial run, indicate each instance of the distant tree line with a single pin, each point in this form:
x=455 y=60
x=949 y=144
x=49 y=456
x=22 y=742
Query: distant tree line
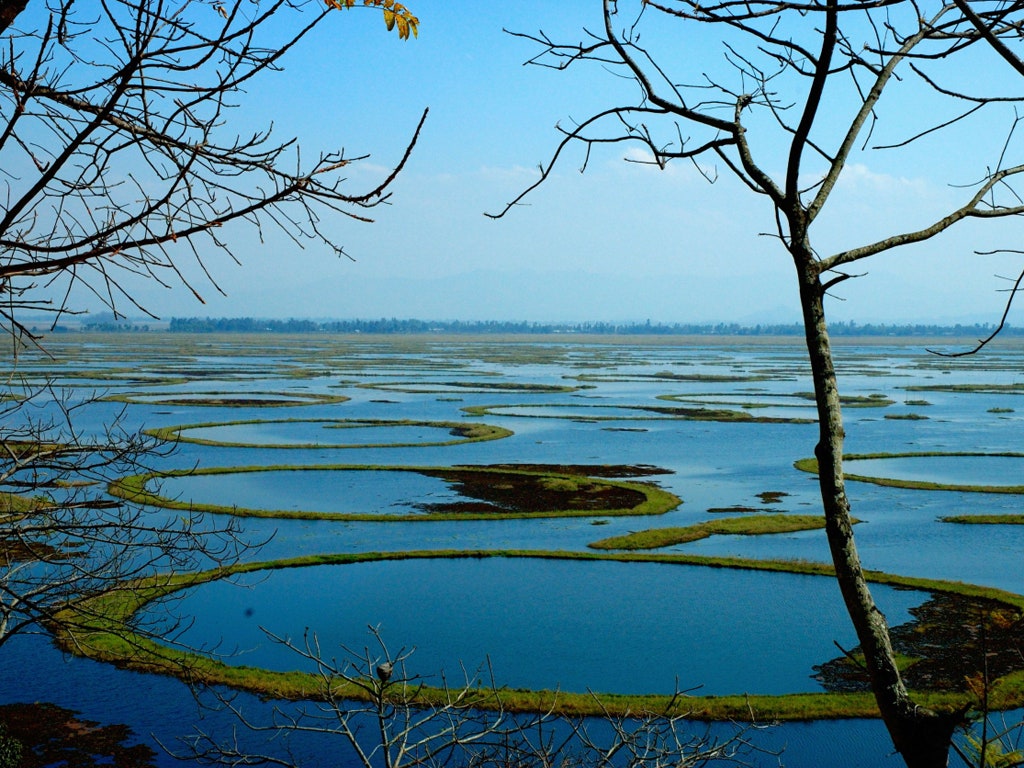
x=397 y=326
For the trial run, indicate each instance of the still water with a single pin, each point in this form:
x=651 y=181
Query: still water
x=574 y=626
x=995 y=471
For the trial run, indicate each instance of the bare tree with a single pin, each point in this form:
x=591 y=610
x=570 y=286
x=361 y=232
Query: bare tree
x=61 y=535
x=119 y=156
x=798 y=90
x=377 y=707
x=119 y=160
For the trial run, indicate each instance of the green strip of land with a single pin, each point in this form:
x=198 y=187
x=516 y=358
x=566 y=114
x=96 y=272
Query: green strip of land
x=811 y=465
x=751 y=525
x=462 y=432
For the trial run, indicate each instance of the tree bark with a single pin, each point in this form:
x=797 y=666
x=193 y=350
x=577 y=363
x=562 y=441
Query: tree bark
x=9 y=11
x=921 y=736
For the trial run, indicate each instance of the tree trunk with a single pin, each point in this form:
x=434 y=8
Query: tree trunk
x=921 y=736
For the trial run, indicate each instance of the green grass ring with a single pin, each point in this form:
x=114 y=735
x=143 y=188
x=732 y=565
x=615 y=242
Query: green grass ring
x=636 y=413
x=478 y=387
x=811 y=465
x=780 y=400
x=227 y=399
x=656 y=501
x=462 y=432
x=99 y=627
x=749 y=525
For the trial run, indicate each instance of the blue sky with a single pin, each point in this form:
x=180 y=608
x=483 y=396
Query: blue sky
x=620 y=242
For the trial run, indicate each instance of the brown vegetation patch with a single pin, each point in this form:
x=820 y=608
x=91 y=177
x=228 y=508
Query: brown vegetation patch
x=948 y=646
x=50 y=735
x=17 y=550
x=519 y=492
x=588 y=470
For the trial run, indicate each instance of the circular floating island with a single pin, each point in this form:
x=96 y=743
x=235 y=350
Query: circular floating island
x=232 y=399
x=329 y=433
x=599 y=413
x=973 y=472
x=444 y=592
x=409 y=493
x=478 y=387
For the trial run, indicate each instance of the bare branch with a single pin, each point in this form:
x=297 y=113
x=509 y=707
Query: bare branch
x=982 y=343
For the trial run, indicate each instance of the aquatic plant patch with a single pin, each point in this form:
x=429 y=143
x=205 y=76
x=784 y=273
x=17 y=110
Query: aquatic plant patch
x=590 y=470
x=329 y=433
x=739 y=400
x=445 y=387
x=987 y=389
x=101 y=380
x=50 y=735
x=473 y=493
x=952 y=639
x=18 y=542
x=750 y=525
x=947 y=464
x=227 y=399
x=596 y=413
x=798 y=400
x=714 y=378
x=994 y=519
x=874 y=400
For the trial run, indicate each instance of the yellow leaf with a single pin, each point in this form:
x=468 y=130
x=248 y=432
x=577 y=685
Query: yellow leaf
x=395 y=15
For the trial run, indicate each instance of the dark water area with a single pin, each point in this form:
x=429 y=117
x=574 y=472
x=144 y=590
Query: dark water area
x=615 y=627
x=605 y=626
x=163 y=712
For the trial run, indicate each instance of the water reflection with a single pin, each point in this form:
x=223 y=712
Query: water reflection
x=577 y=626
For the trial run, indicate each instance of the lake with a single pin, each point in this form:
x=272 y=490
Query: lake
x=725 y=421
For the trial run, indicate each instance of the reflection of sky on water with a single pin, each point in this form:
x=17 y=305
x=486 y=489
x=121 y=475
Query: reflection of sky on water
x=950 y=470
x=618 y=627
x=338 y=491
x=322 y=432
x=201 y=397
x=574 y=412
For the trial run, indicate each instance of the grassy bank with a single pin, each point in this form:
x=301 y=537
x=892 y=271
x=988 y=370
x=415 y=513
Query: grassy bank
x=751 y=525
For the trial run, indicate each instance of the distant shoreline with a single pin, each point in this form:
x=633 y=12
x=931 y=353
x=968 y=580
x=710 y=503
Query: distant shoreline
x=645 y=332
x=922 y=342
